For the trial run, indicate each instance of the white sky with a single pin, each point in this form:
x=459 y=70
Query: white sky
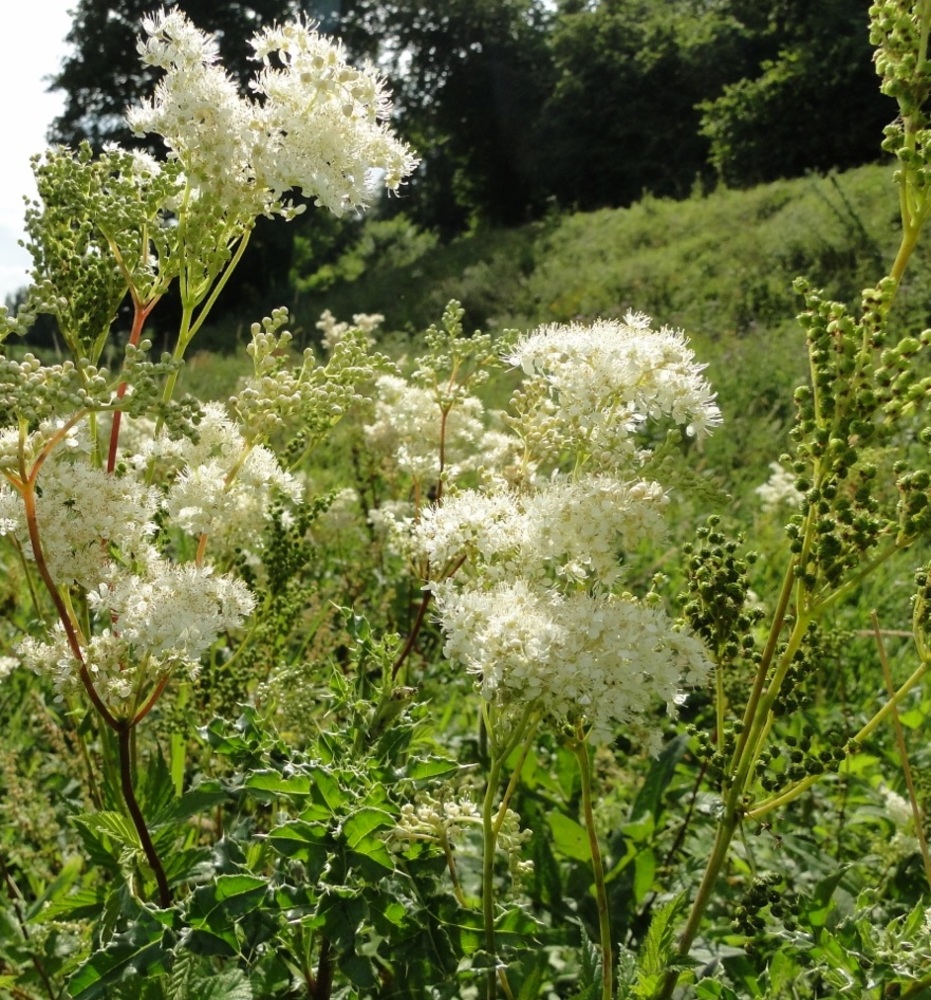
x=32 y=45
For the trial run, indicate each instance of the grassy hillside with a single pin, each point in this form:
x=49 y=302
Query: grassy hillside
x=722 y=264
x=720 y=267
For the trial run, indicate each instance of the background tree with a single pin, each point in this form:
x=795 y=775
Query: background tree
x=815 y=73
x=514 y=104
x=621 y=118
x=469 y=79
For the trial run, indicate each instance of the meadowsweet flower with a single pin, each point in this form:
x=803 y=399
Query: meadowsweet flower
x=324 y=121
x=393 y=521
x=83 y=514
x=779 y=490
x=224 y=487
x=334 y=332
x=593 y=386
x=574 y=531
x=604 y=660
x=318 y=127
x=450 y=821
x=154 y=623
x=198 y=111
x=7 y=665
x=175 y=613
x=408 y=425
x=12 y=518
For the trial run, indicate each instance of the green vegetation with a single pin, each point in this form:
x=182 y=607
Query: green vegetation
x=576 y=661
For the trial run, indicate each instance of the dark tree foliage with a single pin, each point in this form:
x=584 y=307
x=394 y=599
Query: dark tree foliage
x=621 y=119
x=813 y=102
x=516 y=103
x=469 y=78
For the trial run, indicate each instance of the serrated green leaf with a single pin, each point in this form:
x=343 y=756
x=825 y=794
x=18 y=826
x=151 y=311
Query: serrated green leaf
x=307 y=842
x=656 y=953
x=650 y=797
x=363 y=822
x=237 y=893
x=330 y=789
x=432 y=769
x=83 y=904
x=644 y=871
x=137 y=952
x=710 y=989
x=268 y=784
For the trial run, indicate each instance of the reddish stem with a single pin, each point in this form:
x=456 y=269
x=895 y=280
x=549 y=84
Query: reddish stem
x=123 y=732
x=32 y=525
x=140 y=315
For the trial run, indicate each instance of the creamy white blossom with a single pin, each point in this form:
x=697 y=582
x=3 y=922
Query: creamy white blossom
x=602 y=660
x=333 y=332
x=319 y=125
x=779 y=490
x=223 y=487
x=324 y=121
x=571 y=529
x=84 y=514
x=408 y=428
x=198 y=111
x=154 y=623
x=596 y=384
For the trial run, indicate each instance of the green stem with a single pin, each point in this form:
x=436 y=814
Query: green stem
x=488 y=877
x=793 y=791
x=580 y=747
x=500 y=751
x=722 y=842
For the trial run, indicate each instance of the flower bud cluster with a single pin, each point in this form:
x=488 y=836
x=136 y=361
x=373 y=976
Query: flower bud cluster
x=311 y=398
x=799 y=757
x=448 y=822
x=718 y=604
x=898 y=31
x=862 y=397
x=767 y=890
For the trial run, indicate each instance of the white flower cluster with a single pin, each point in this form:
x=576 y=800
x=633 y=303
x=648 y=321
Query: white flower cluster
x=224 y=487
x=779 y=490
x=333 y=331
x=318 y=125
x=597 y=384
x=575 y=530
x=148 y=614
x=528 y=578
x=407 y=429
x=602 y=660
x=159 y=621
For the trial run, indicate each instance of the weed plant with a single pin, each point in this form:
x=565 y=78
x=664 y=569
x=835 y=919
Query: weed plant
x=526 y=665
